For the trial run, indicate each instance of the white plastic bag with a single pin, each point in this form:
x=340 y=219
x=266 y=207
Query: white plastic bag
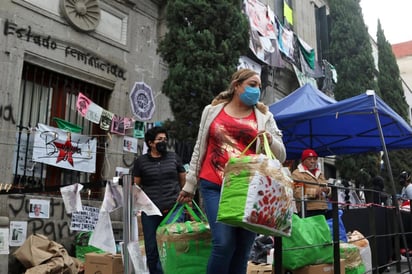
x=102 y=236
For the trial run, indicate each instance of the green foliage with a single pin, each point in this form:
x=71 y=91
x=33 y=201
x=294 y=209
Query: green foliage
x=389 y=80
x=351 y=54
x=350 y=48
x=391 y=89
x=359 y=169
x=202 y=48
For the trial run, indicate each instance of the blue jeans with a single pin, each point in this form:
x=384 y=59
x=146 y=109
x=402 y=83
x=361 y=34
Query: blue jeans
x=150 y=225
x=230 y=245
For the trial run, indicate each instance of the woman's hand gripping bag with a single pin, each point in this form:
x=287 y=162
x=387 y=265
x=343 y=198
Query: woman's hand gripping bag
x=257 y=194
x=184 y=248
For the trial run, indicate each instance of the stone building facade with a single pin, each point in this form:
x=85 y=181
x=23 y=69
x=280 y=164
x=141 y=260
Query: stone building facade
x=50 y=50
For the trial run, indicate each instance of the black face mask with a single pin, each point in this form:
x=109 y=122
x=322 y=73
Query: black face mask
x=161 y=147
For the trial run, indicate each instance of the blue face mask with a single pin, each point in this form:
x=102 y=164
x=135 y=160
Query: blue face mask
x=250 y=96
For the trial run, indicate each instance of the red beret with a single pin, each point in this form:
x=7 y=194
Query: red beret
x=308 y=153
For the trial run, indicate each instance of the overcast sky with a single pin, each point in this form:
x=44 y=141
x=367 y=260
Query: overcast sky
x=395 y=17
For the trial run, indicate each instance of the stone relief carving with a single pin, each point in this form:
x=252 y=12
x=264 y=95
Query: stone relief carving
x=83 y=15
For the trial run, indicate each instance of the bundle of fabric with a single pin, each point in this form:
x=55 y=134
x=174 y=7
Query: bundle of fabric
x=40 y=255
x=257 y=194
x=184 y=248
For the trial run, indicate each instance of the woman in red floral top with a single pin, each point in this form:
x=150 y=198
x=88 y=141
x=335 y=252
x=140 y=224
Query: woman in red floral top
x=233 y=119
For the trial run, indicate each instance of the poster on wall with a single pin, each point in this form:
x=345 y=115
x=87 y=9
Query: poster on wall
x=142 y=101
x=4 y=241
x=39 y=208
x=130 y=144
x=18 y=233
x=120 y=171
x=85 y=220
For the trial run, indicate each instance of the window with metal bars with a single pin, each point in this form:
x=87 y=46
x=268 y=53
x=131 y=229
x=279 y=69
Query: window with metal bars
x=44 y=95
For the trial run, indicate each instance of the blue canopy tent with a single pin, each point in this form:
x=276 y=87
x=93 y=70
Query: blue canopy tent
x=302 y=99
x=364 y=123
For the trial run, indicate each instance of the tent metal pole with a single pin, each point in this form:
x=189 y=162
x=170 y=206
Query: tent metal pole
x=303 y=207
x=389 y=168
x=127 y=222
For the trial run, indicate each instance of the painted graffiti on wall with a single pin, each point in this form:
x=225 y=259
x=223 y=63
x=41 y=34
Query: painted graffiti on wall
x=27 y=34
x=56 y=227
x=6 y=113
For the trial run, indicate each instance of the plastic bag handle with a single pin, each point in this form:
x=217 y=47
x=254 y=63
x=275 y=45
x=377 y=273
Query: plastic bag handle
x=194 y=215
x=180 y=211
x=266 y=146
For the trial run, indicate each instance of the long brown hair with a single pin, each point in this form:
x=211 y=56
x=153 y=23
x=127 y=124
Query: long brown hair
x=237 y=78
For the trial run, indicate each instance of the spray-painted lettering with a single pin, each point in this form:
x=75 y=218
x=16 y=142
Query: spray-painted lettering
x=56 y=227
x=11 y=28
x=6 y=113
x=26 y=34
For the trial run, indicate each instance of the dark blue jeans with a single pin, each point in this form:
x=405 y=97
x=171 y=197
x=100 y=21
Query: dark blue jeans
x=230 y=245
x=149 y=225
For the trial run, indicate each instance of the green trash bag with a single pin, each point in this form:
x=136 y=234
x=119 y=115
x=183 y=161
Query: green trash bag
x=83 y=247
x=310 y=243
x=184 y=248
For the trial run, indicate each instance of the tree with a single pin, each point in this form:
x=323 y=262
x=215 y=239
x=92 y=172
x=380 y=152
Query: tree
x=391 y=90
x=389 y=80
x=202 y=48
x=351 y=54
x=351 y=50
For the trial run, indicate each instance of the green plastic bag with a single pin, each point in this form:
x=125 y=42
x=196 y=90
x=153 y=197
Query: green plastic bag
x=310 y=243
x=184 y=248
x=83 y=247
x=257 y=194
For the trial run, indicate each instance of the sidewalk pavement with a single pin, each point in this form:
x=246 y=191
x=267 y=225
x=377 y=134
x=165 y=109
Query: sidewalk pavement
x=392 y=269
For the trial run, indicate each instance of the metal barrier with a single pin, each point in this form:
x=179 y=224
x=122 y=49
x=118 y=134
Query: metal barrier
x=397 y=234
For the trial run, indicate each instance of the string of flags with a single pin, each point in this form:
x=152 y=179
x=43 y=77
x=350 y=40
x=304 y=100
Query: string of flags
x=65 y=147
x=107 y=120
x=142 y=106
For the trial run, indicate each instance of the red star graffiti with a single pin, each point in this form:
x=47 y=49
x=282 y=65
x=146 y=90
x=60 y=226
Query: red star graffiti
x=66 y=150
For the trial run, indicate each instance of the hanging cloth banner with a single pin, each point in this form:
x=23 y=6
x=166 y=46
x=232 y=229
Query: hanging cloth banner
x=285 y=40
x=288 y=12
x=64 y=149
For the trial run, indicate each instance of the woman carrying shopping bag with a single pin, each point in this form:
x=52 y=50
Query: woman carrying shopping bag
x=233 y=119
